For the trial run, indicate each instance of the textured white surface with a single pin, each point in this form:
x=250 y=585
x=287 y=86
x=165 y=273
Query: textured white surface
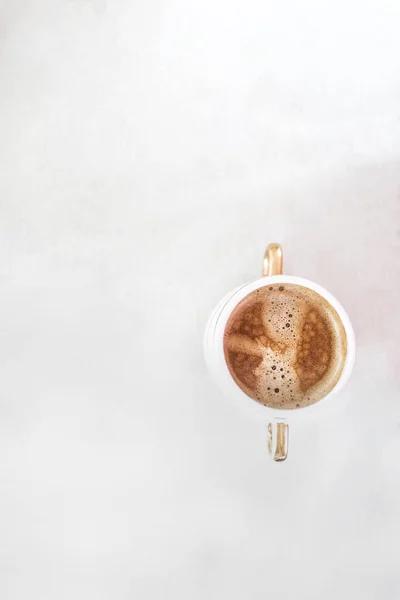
x=149 y=150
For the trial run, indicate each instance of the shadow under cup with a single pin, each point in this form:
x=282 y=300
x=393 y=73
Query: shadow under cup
x=285 y=345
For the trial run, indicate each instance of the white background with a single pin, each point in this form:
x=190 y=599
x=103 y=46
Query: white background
x=149 y=150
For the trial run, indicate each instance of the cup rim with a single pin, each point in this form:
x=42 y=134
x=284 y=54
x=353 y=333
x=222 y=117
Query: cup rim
x=219 y=368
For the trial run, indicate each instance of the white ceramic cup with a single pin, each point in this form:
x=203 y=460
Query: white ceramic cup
x=279 y=419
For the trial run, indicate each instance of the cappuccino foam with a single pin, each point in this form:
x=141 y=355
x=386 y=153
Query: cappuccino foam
x=285 y=346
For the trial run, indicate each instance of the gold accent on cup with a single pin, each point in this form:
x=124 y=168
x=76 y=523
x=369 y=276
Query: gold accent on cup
x=278 y=440
x=273 y=260
x=278 y=432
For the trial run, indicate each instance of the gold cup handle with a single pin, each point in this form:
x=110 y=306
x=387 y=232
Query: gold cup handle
x=278 y=440
x=273 y=260
x=278 y=432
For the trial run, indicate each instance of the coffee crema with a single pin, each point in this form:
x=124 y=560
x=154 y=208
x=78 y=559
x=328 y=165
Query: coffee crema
x=285 y=346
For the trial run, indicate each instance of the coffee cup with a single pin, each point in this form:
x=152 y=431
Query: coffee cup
x=281 y=344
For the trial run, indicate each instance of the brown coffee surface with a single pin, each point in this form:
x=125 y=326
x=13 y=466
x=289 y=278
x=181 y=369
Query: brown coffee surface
x=285 y=346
